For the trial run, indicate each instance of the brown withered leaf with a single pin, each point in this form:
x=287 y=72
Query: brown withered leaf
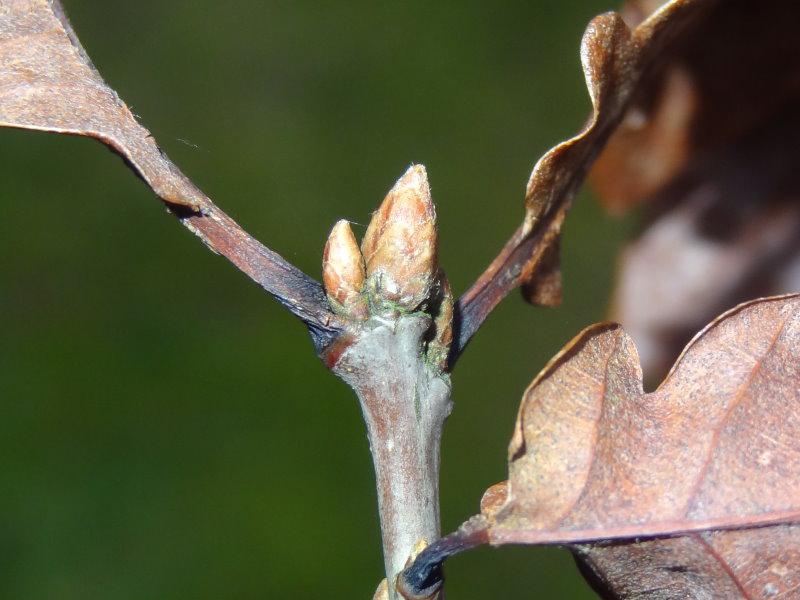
x=614 y=60
x=708 y=148
x=716 y=447
x=48 y=83
x=745 y=563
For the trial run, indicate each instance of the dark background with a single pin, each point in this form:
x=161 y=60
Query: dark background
x=167 y=431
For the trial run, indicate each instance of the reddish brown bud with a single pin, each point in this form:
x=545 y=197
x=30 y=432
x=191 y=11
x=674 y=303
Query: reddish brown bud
x=343 y=272
x=400 y=244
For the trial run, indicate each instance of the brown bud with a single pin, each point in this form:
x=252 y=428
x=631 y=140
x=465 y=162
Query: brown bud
x=439 y=346
x=400 y=244
x=343 y=272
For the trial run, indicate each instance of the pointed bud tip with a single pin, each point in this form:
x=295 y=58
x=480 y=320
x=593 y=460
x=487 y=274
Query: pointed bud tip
x=343 y=271
x=342 y=234
x=401 y=241
x=412 y=194
x=415 y=177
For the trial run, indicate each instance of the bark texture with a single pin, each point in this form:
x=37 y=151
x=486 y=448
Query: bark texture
x=405 y=401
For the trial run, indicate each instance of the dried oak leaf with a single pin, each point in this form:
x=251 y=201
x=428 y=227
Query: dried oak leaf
x=745 y=563
x=594 y=458
x=614 y=60
x=48 y=83
x=708 y=148
x=716 y=445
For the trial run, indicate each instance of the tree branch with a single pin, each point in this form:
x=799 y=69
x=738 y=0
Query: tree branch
x=405 y=403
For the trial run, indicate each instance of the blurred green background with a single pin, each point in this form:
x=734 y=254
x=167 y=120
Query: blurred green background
x=167 y=431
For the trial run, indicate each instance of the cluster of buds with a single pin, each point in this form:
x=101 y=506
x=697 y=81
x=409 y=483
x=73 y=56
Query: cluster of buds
x=396 y=271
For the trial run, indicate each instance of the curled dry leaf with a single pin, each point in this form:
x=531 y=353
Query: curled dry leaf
x=708 y=148
x=716 y=446
x=48 y=83
x=614 y=59
x=746 y=564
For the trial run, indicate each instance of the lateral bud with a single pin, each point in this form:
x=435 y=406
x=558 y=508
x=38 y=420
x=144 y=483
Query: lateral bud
x=343 y=273
x=400 y=245
x=439 y=346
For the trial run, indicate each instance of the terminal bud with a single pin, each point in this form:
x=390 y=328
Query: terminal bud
x=401 y=243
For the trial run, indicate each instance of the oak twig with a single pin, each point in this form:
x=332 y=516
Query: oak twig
x=405 y=403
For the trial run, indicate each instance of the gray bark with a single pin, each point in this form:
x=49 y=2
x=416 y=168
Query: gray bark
x=405 y=402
